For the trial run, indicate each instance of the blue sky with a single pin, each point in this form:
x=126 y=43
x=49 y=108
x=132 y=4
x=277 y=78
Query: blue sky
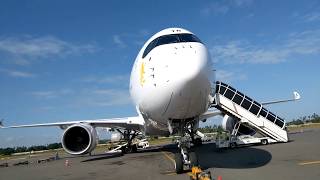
x=71 y=60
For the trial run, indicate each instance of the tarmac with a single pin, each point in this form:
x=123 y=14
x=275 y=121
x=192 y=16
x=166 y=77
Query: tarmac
x=295 y=160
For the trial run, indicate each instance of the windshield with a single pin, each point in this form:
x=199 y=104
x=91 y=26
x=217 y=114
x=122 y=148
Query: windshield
x=169 y=39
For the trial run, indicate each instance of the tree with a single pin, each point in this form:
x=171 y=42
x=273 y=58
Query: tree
x=54 y=146
x=21 y=149
x=7 y=151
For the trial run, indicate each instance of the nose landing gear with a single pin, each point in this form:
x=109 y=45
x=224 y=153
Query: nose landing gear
x=185 y=158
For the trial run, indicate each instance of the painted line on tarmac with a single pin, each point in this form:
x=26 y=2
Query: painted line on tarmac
x=168 y=157
x=170 y=173
x=16 y=159
x=309 y=163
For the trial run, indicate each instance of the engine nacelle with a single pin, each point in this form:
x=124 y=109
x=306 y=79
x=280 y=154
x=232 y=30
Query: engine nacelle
x=79 y=139
x=116 y=137
x=228 y=124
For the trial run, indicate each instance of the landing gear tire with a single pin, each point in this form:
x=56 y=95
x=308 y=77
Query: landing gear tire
x=233 y=145
x=134 y=148
x=178 y=163
x=129 y=149
x=197 y=142
x=123 y=150
x=264 y=142
x=193 y=159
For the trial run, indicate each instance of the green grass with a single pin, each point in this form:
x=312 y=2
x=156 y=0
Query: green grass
x=303 y=126
x=160 y=141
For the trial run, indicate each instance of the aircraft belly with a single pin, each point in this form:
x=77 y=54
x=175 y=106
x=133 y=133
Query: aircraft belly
x=156 y=128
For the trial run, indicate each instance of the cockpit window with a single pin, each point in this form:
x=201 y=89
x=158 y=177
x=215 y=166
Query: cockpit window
x=169 y=39
x=188 y=38
x=151 y=45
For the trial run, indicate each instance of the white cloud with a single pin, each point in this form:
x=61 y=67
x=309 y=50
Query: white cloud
x=17 y=74
x=123 y=40
x=242 y=52
x=112 y=79
x=144 y=32
x=9 y=139
x=241 y=3
x=45 y=94
x=215 y=8
x=229 y=76
x=28 y=48
x=86 y=97
x=111 y=97
x=20 y=61
x=52 y=93
x=223 y=75
x=117 y=40
x=311 y=17
x=304 y=43
x=224 y=6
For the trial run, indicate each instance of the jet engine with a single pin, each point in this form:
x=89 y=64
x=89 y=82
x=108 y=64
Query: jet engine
x=229 y=122
x=79 y=139
x=116 y=137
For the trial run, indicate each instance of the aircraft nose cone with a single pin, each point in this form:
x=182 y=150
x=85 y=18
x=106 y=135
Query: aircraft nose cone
x=190 y=84
x=193 y=64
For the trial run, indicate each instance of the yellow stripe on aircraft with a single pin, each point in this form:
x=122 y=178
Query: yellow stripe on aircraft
x=142 y=80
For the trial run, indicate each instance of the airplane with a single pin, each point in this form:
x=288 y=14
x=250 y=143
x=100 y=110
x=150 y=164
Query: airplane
x=172 y=86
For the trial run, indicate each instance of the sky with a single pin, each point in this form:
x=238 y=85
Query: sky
x=71 y=60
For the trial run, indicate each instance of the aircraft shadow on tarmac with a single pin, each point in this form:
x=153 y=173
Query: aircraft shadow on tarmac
x=210 y=157
x=102 y=156
x=239 y=158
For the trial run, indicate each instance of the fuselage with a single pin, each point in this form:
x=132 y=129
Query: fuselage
x=171 y=77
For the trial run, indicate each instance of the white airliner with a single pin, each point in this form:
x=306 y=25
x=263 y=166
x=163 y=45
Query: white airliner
x=172 y=86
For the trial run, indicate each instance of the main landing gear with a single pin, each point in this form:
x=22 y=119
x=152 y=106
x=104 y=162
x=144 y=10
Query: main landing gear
x=128 y=136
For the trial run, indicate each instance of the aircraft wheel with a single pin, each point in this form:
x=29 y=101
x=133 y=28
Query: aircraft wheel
x=129 y=149
x=178 y=163
x=197 y=142
x=123 y=150
x=193 y=159
x=134 y=148
x=264 y=142
x=233 y=145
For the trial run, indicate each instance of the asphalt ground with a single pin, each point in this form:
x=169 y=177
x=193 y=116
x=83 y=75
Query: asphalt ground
x=296 y=160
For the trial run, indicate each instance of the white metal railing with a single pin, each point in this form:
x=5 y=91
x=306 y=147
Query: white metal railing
x=243 y=106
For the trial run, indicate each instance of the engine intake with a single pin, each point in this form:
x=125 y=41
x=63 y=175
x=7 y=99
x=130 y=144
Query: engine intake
x=79 y=139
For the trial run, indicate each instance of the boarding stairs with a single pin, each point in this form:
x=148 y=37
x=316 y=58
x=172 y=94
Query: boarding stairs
x=249 y=112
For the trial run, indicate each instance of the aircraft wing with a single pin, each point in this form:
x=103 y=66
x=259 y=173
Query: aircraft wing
x=130 y=123
x=209 y=114
x=296 y=96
